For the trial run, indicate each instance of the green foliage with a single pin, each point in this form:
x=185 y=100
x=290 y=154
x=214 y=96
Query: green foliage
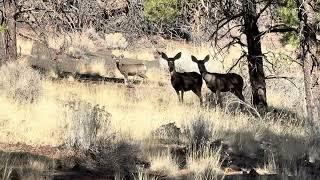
x=290 y=38
x=3 y=28
x=162 y=10
x=288 y=14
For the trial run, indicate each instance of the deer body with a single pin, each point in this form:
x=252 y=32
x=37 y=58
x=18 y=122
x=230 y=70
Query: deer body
x=127 y=70
x=181 y=82
x=217 y=82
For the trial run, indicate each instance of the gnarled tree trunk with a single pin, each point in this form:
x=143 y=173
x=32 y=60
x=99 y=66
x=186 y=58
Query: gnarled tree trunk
x=255 y=61
x=311 y=63
x=10 y=32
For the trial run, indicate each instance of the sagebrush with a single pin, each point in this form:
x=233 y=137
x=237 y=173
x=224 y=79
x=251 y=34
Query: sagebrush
x=20 y=82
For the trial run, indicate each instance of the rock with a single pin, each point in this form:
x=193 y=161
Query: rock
x=167 y=134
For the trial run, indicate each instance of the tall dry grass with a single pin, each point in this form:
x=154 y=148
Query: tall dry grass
x=137 y=112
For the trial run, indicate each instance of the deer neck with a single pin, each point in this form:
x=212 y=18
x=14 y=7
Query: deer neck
x=208 y=77
x=173 y=72
x=205 y=75
x=203 y=71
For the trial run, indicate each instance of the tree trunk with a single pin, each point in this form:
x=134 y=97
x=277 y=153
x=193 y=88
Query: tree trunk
x=2 y=47
x=10 y=33
x=255 y=61
x=311 y=65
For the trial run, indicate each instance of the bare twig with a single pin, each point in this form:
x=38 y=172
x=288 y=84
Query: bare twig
x=237 y=62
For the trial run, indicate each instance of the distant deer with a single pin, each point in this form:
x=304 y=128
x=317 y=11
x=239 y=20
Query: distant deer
x=183 y=81
x=127 y=70
x=220 y=82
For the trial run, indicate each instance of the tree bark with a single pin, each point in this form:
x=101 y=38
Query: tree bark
x=10 y=33
x=255 y=61
x=309 y=49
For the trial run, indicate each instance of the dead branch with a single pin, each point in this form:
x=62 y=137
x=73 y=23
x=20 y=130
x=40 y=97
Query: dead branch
x=244 y=54
x=290 y=79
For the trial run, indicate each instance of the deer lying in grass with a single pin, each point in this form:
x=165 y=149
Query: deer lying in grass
x=183 y=81
x=220 y=82
x=127 y=70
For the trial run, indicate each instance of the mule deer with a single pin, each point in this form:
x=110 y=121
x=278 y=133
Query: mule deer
x=183 y=81
x=220 y=82
x=127 y=70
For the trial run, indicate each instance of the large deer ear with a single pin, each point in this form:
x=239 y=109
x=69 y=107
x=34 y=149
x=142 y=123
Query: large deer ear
x=164 y=56
x=194 y=59
x=178 y=56
x=206 y=59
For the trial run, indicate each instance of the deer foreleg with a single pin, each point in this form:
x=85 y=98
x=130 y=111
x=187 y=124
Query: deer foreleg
x=218 y=99
x=178 y=95
x=182 y=92
x=125 y=80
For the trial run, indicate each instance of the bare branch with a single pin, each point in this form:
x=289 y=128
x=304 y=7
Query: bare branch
x=279 y=28
x=227 y=20
x=290 y=79
x=269 y=3
x=237 y=62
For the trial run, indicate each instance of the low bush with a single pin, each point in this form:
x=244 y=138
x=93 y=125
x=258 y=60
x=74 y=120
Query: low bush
x=86 y=121
x=20 y=82
x=198 y=133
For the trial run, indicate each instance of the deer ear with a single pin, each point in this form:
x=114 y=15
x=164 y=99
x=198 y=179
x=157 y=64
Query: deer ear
x=164 y=56
x=194 y=59
x=178 y=56
x=206 y=59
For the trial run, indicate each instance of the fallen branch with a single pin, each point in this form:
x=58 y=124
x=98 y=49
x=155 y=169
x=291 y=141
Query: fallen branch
x=290 y=79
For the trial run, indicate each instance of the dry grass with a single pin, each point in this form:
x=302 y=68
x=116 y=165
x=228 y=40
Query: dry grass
x=137 y=112
x=20 y=82
x=164 y=164
x=205 y=164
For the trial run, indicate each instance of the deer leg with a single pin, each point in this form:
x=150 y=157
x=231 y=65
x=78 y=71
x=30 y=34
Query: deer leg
x=218 y=99
x=182 y=92
x=198 y=93
x=125 y=80
x=178 y=95
x=240 y=96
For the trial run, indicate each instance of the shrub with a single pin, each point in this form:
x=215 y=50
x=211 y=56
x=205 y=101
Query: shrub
x=161 y=10
x=116 y=41
x=86 y=121
x=199 y=133
x=20 y=82
x=119 y=157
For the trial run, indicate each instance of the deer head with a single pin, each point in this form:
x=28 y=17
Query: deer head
x=201 y=63
x=171 y=60
x=117 y=59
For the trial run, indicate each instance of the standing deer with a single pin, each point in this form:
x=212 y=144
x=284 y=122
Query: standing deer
x=220 y=82
x=127 y=70
x=183 y=81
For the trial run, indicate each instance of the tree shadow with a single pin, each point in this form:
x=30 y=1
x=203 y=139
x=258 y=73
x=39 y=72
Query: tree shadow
x=286 y=155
